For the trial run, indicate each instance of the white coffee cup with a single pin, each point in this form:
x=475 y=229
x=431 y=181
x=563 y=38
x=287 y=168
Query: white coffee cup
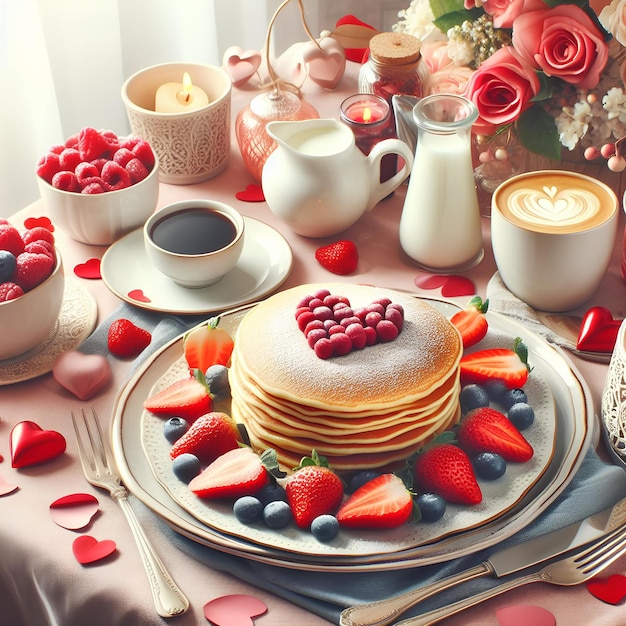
x=553 y=234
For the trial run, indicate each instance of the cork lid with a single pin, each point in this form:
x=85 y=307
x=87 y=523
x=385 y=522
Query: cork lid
x=395 y=48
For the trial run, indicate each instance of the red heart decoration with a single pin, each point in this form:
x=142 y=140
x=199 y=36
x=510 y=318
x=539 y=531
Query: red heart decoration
x=32 y=222
x=598 y=330
x=525 y=614
x=429 y=281
x=252 y=193
x=611 y=590
x=234 y=610
x=5 y=488
x=89 y=269
x=84 y=375
x=74 y=511
x=138 y=294
x=30 y=444
x=458 y=286
x=87 y=549
x=354 y=36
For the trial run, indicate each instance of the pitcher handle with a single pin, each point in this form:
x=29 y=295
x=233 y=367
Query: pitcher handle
x=379 y=190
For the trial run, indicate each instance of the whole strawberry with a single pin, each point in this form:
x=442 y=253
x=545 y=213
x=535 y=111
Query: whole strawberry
x=445 y=469
x=341 y=257
x=471 y=321
x=126 y=340
x=313 y=490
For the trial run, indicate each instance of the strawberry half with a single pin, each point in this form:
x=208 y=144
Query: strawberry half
x=445 y=469
x=126 y=340
x=341 y=257
x=383 y=502
x=188 y=398
x=509 y=366
x=471 y=321
x=487 y=430
x=208 y=345
x=237 y=473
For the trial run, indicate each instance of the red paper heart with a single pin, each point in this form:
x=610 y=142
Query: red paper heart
x=32 y=222
x=84 y=375
x=430 y=281
x=458 y=286
x=30 y=444
x=525 y=614
x=5 y=488
x=252 y=193
x=234 y=610
x=89 y=269
x=74 y=511
x=138 y=295
x=598 y=330
x=87 y=549
x=611 y=590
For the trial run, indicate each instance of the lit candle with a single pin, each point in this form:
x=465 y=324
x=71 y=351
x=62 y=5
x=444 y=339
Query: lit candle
x=180 y=97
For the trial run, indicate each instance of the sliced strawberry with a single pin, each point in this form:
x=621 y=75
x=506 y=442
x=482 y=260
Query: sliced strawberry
x=445 y=469
x=127 y=340
x=208 y=437
x=341 y=257
x=237 y=473
x=188 y=398
x=509 y=366
x=383 y=502
x=207 y=345
x=471 y=321
x=487 y=430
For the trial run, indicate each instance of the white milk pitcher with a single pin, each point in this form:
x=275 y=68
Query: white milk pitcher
x=318 y=181
x=440 y=226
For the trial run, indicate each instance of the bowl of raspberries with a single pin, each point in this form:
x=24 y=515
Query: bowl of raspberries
x=32 y=284
x=98 y=186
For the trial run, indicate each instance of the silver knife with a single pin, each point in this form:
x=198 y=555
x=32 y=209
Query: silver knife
x=499 y=564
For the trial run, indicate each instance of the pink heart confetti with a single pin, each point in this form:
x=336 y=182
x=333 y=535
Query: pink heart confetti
x=74 y=511
x=84 y=375
x=30 y=444
x=86 y=549
x=252 y=193
x=5 y=488
x=525 y=614
x=234 y=610
x=138 y=295
x=458 y=286
x=90 y=269
x=430 y=281
x=611 y=590
x=33 y=222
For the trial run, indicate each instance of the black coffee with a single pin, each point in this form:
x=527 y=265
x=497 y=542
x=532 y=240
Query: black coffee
x=194 y=231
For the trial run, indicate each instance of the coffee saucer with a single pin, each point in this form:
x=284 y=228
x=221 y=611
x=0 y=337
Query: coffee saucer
x=265 y=263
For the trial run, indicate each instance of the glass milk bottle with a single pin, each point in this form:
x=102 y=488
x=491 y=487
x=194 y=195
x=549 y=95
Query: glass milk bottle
x=440 y=228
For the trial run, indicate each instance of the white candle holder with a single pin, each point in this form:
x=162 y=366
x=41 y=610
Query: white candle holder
x=192 y=146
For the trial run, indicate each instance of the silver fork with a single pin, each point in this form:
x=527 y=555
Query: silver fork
x=99 y=469
x=572 y=570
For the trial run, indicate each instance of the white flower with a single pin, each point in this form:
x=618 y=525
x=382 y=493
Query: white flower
x=611 y=18
x=417 y=20
x=459 y=50
x=614 y=103
x=573 y=123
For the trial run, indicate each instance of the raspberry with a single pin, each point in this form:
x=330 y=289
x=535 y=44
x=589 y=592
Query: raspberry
x=84 y=171
x=10 y=291
x=393 y=315
x=123 y=156
x=137 y=170
x=313 y=325
x=57 y=148
x=72 y=141
x=115 y=177
x=65 y=181
x=130 y=142
x=37 y=233
x=341 y=344
x=315 y=335
x=48 y=166
x=32 y=269
x=69 y=159
x=41 y=247
x=323 y=349
x=322 y=313
x=144 y=153
x=93 y=187
x=373 y=318
x=386 y=331
x=93 y=144
x=99 y=164
x=357 y=335
x=370 y=334
x=346 y=321
x=11 y=240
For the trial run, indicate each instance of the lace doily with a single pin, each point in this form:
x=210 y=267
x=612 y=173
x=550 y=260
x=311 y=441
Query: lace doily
x=614 y=399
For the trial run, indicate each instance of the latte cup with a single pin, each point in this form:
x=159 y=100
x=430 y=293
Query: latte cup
x=552 y=235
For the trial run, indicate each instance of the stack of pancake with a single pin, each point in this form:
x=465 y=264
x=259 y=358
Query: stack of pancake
x=368 y=409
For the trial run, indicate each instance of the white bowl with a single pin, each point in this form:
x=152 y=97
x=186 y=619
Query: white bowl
x=100 y=219
x=28 y=320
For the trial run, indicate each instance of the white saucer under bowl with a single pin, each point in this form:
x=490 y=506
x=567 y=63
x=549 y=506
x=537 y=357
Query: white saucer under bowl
x=265 y=263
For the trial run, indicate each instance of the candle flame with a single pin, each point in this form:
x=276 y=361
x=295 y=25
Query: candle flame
x=367 y=114
x=187 y=87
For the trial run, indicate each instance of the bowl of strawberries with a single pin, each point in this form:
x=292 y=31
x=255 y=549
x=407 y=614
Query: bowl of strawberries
x=32 y=285
x=98 y=186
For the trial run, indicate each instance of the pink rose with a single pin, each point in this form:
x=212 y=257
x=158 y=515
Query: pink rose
x=451 y=79
x=563 y=42
x=434 y=55
x=504 y=12
x=501 y=88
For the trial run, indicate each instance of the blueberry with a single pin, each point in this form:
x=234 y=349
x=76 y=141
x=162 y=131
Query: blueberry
x=473 y=397
x=175 y=428
x=489 y=466
x=217 y=380
x=248 y=510
x=431 y=505
x=325 y=528
x=186 y=466
x=521 y=415
x=7 y=265
x=277 y=514
x=496 y=390
x=358 y=480
x=271 y=493
x=511 y=397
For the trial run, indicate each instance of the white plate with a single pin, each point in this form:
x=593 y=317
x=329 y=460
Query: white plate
x=574 y=420
x=265 y=263
x=77 y=319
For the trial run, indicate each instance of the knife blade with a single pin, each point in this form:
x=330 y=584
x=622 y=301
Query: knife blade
x=501 y=563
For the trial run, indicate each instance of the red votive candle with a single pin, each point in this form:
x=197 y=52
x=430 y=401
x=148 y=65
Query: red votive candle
x=370 y=119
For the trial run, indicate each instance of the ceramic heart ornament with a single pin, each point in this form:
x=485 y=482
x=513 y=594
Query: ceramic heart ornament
x=241 y=65
x=74 y=511
x=87 y=549
x=598 y=330
x=611 y=590
x=354 y=36
x=84 y=375
x=234 y=610
x=30 y=444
